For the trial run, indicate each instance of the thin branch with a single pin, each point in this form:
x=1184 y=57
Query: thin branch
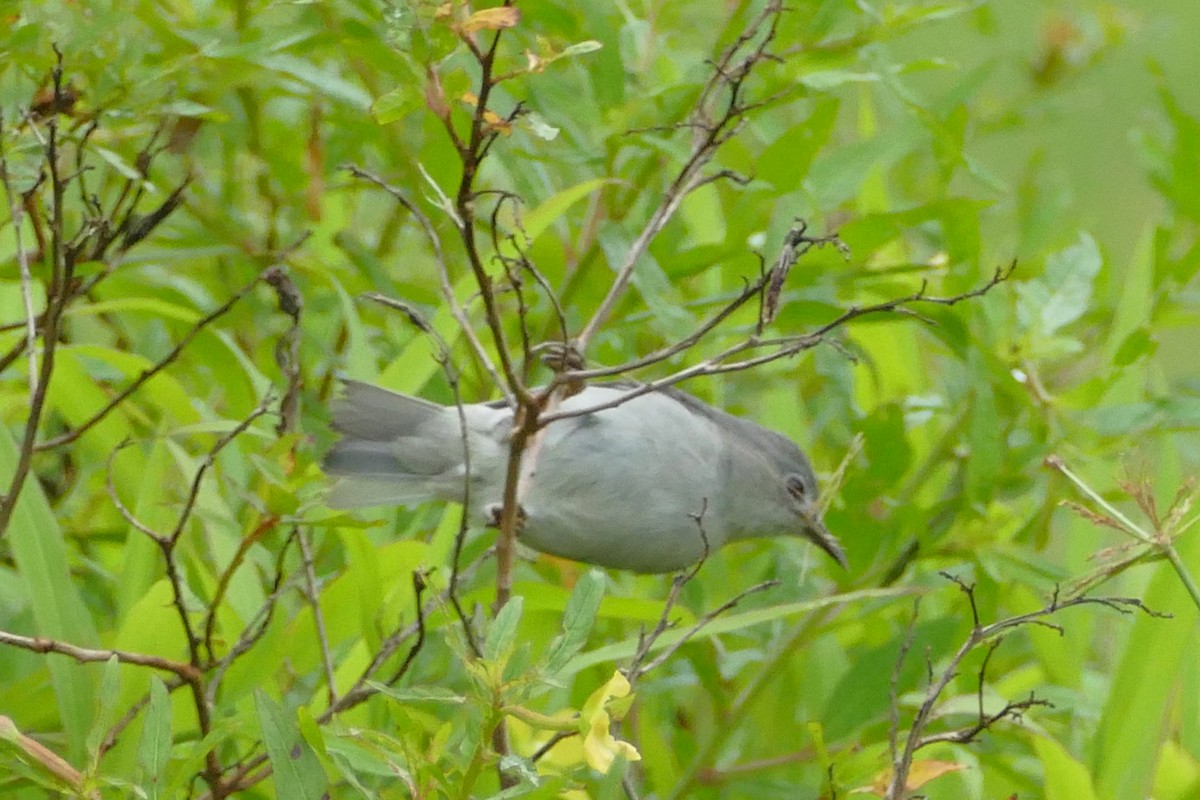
x=710 y=134
x=256 y=628
x=258 y=768
x=85 y=655
x=452 y=378
x=312 y=596
x=982 y=634
x=247 y=542
x=456 y=309
x=57 y=299
x=150 y=372
x=894 y=683
x=264 y=406
x=15 y=211
x=783 y=348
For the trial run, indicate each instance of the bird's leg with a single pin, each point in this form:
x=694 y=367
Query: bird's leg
x=492 y=512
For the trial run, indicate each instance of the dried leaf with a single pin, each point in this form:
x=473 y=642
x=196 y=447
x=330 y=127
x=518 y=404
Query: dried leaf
x=1095 y=518
x=919 y=774
x=491 y=19
x=923 y=772
x=1182 y=503
x=435 y=95
x=494 y=121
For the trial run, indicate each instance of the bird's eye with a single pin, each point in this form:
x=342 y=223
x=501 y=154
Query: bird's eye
x=796 y=487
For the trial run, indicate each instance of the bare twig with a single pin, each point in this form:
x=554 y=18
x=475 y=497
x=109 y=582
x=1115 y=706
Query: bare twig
x=257 y=768
x=988 y=634
x=57 y=297
x=781 y=348
x=796 y=245
x=266 y=525
x=452 y=378
x=894 y=683
x=84 y=655
x=711 y=129
x=456 y=309
x=16 y=214
x=150 y=372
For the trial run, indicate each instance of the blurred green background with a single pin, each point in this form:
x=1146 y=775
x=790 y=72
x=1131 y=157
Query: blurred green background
x=942 y=140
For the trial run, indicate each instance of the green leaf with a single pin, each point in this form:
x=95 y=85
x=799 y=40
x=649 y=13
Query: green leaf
x=1062 y=293
x=119 y=164
x=418 y=694
x=537 y=125
x=328 y=82
x=1136 y=345
x=40 y=554
x=580 y=48
x=154 y=750
x=554 y=207
x=396 y=104
x=295 y=769
x=1065 y=777
x=578 y=619
x=732 y=622
x=106 y=700
x=153 y=306
x=503 y=630
x=824 y=80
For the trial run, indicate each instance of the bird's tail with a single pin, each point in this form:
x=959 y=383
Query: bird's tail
x=394 y=450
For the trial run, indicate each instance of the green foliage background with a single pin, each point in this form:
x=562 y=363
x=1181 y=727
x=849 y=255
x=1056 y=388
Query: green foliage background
x=942 y=140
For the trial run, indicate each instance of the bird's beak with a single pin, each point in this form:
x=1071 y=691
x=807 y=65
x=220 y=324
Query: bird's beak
x=822 y=538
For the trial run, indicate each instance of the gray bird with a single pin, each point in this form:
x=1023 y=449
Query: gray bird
x=641 y=486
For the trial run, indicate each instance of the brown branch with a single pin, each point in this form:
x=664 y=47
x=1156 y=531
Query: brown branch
x=312 y=596
x=201 y=695
x=636 y=667
x=784 y=347
x=894 y=683
x=131 y=713
x=150 y=372
x=257 y=768
x=267 y=524
x=57 y=299
x=16 y=215
x=452 y=378
x=711 y=133
x=447 y=285
x=84 y=655
x=53 y=763
x=982 y=634
x=256 y=628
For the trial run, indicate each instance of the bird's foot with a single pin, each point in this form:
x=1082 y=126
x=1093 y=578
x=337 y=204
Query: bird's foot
x=493 y=512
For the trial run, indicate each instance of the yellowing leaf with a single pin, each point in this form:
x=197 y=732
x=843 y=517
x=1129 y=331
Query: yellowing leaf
x=923 y=772
x=493 y=120
x=491 y=19
x=919 y=774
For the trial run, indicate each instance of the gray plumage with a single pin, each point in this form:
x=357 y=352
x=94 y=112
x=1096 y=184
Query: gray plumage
x=619 y=488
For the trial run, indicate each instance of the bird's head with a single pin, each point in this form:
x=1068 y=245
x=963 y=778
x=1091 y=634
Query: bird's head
x=802 y=500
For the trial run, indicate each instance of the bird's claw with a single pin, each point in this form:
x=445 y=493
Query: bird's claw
x=494 y=512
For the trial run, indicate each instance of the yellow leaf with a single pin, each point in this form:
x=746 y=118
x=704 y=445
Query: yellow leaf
x=493 y=120
x=600 y=747
x=919 y=774
x=923 y=772
x=491 y=19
